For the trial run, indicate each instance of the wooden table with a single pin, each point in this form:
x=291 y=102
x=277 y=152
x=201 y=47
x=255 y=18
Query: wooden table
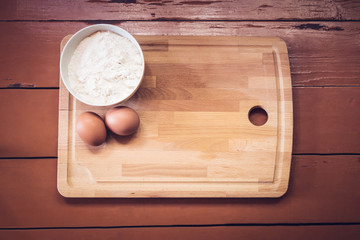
x=324 y=194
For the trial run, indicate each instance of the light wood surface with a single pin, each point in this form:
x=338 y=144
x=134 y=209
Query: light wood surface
x=195 y=138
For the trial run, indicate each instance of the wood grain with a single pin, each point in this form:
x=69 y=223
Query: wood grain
x=321 y=53
x=179 y=9
x=321 y=190
x=328 y=232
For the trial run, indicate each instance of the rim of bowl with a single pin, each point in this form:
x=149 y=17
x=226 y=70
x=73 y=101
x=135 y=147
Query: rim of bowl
x=92 y=29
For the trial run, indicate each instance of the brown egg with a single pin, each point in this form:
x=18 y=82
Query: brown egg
x=122 y=120
x=91 y=128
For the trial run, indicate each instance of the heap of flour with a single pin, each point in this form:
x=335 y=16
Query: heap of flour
x=104 y=68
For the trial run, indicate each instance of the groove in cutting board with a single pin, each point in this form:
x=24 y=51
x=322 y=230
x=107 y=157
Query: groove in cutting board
x=195 y=138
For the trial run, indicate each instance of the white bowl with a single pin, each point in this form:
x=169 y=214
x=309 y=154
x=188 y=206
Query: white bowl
x=74 y=41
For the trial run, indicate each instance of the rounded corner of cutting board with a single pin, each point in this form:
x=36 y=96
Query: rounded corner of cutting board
x=281 y=192
x=280 y=44
x=64 y=190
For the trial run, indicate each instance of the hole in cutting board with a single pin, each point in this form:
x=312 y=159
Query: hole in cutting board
x=258 y=116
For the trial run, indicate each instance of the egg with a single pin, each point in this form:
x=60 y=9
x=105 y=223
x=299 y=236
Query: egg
x=122 y=120
x=91 y=128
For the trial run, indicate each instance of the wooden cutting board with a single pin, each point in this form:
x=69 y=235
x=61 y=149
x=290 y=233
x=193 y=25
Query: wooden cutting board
x=195 y=138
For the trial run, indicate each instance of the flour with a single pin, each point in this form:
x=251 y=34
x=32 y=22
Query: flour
x=104 y=68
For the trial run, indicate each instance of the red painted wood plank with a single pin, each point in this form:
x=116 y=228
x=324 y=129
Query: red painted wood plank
x=328 y=232
x=178 y=9
x=321 y=53
x=28 y=125
x=325 y=121
x=322 y=189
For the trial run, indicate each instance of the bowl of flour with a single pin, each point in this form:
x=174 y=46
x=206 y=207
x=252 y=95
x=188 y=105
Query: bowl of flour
x=102 y=65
